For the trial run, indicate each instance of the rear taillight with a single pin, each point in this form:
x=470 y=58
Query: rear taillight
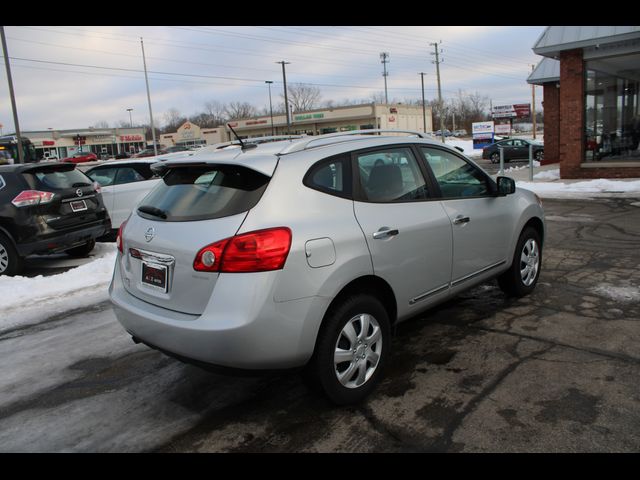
x=28 y=198
x=258 y=251
x=119 y=240
x=96 y=187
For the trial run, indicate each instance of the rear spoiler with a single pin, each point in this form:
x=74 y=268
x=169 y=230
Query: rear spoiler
x=46 y=167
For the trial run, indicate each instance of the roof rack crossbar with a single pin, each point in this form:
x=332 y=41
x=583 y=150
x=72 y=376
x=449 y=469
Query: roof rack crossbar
x=326 y=139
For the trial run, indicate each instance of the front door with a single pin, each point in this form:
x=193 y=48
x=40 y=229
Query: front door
x=408 y=232
x=480 y=221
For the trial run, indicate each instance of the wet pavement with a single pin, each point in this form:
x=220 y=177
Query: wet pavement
x=556 y=371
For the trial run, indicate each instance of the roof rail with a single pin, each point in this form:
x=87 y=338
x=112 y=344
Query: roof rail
x=257 y=140
x=331 y=138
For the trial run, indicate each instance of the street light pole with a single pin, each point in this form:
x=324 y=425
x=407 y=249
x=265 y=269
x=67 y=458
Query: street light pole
x=146 y=78
x=286 y=98
x=130 y=118
x=269 y=82
x=12 y=95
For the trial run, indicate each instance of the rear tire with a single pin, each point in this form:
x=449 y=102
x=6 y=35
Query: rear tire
x=522 y=276
x=10 y=262
x=351 y=349
x=495 y=158
x=82 y=250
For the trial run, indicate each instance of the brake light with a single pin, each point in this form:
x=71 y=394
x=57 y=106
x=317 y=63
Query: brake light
x=96 y=187
x=258 y=251
x=119 y=240
x=28 y=198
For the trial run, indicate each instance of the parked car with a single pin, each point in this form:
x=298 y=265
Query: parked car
x=176 y=148
x=81 y=157
x=47 y=208
x=514 y=148
x=123 y=184
x=307 y=252
x=148 y=152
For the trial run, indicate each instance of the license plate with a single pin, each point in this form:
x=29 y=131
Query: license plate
x=155 y=276
x=78 y=206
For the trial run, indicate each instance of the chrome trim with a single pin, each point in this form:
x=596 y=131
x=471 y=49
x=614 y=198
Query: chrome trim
x=153 y=257
x=475 y=274
x=75 y=199
x=422 y=296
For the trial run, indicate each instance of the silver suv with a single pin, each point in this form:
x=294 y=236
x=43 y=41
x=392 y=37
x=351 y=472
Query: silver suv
x=306 y=252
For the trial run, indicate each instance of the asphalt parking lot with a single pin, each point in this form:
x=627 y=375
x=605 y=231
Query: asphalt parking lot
x=556 y=371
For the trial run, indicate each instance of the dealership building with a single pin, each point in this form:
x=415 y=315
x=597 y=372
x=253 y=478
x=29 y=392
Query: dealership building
x=312 y=122
x=106 y=142
x=591 y=82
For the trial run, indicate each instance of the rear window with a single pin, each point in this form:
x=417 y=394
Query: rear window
x=203 y=192
x=61 y=179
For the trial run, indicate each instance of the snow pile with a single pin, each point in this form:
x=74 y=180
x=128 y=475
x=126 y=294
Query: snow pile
x=588 y=188
x=547 y=174
x=26 y=300
x=621 y=294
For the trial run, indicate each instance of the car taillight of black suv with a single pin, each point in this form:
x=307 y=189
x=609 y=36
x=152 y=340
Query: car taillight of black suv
x=47 y=208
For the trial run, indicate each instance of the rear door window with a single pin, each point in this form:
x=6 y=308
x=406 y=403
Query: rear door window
x=61 y=179
x=104 y=176
x=331 y=175
x=203 y=192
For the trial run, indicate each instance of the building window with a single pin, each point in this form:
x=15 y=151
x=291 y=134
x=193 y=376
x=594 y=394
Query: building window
x=612 y=109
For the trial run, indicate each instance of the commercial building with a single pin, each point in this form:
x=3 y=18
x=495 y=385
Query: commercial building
x=104 y=142
x=591 y=82
x=313 y=122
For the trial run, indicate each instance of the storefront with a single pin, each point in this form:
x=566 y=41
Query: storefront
x=313 y=122
x=104 y=142
x=591 y=81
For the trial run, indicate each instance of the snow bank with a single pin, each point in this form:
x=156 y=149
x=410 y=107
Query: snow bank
x=27 y=300
x=581 y=189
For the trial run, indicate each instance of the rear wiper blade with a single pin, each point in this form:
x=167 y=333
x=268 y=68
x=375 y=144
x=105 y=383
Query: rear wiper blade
x=80 y=184
x=156 y=212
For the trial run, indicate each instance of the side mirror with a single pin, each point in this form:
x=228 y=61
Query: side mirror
x=506 y=185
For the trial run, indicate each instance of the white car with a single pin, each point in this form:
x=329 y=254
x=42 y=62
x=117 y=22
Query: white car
x=123 y=184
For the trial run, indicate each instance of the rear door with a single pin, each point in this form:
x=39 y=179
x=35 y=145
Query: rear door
x=407 y=232
x=75 y=202
x=191 y=208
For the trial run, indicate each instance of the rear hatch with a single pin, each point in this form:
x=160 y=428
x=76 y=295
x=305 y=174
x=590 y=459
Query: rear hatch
x=75 y=201
x=194 y=205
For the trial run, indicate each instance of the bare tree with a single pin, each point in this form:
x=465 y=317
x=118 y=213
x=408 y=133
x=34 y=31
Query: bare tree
x=172 y=120
x=101 y=124
x=240 y=110
x=303 y=97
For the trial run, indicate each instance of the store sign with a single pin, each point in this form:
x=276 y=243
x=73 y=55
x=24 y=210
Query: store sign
x=392 y=119
x=482 y=134
x=131 y=138
x=503 y=129
x=256 y=122
x=308 y=116
x=511 y=111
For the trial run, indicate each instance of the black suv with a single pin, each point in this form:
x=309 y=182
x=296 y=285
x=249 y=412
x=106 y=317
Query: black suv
x=47 y=208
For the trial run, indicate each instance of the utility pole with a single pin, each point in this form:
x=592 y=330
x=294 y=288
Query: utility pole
x=438 y=62
x=130 y=117
x=12 y=95
x=286 y=98
x=533 y=104
x=146 y=78
x=424 y=110
x=384 y=60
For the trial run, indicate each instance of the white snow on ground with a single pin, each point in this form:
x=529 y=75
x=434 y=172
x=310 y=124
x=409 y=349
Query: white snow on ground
x=580 y=189
x=27 y=300
x=621 y=294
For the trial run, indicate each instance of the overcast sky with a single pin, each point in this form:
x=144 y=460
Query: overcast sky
x=74 y=77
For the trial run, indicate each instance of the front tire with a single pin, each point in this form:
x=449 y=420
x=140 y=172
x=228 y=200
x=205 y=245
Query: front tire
x=495 y=157
x=352 y=346
x=522 y=276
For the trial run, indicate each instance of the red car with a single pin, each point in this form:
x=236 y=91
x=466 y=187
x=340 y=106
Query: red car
x=81 y=157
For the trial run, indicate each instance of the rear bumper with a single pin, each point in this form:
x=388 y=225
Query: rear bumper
x=247 y=331
x=59 y=241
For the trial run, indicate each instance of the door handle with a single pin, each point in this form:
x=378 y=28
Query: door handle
x=385 y=232
x=461 y=220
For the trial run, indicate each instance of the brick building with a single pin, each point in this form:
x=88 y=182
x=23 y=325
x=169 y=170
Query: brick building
x=591 y=89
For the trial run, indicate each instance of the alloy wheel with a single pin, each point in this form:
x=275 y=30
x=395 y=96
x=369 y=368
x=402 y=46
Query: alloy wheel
x=529 y=262
x=357 y=352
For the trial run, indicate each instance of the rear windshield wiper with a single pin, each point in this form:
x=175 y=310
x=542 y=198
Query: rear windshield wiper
x=156 y=212
x=80 y=184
